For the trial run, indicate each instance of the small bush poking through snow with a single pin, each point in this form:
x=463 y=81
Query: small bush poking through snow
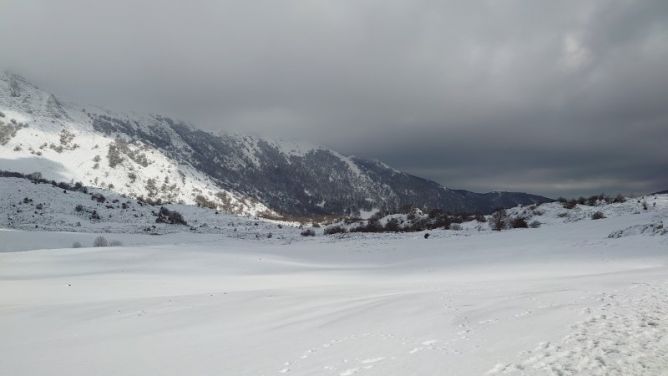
x=100 y=241
x=392 y=225
x=76 y=245
x=498 y=220
x=598 y=215
x=371 y=226
x=98 y=197
x=571 y=204
x=519 y=222
x=335 y=230
x=534 y=224
x=171 y=217
x=308 y=232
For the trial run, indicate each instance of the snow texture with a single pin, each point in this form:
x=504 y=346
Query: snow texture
x=562 y=299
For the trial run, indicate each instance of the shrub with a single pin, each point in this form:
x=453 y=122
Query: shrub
x=392 y=225
x=434 y=213
x=598 y=215
x=100 y=241
x=98 y=197
x=115 y=243
x=519 y=222
x=114 y=156
x=151 y=188
x=569 y=204
x=594 y=200
x=480 y=218
x=337 y=229
x=619 y=199
x=534 y=224
x=76 y=245
x=308 y=232
x=371 y=226
x=203 y=202
x=455 y=227
x=426 y=236
x=441 y=222
x=171 y=217
x=498 y=220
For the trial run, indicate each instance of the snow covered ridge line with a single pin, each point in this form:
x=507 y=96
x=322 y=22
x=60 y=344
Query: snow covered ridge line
x=157 y=157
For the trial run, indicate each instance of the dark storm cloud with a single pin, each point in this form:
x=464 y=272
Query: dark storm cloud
x=567 y=97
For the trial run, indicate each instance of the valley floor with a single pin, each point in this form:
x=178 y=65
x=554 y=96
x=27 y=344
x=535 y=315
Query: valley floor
x=559 y=300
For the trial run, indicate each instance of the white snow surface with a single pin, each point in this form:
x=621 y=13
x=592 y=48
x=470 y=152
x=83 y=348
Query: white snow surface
x=562 y=299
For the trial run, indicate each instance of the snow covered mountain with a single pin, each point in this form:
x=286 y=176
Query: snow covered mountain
x=156 y=157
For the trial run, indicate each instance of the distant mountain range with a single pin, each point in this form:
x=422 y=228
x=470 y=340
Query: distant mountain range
x=156 y=157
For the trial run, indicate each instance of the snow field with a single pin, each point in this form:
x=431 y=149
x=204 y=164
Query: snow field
x=561 y=299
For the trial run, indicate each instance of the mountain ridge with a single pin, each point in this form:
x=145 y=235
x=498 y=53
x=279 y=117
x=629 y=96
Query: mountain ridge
x=158 y=157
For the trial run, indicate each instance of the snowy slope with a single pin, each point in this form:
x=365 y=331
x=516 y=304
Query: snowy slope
x=42 y=207
x=561 y=299
x=161 y=158
x=59 y=141
x=542 y=215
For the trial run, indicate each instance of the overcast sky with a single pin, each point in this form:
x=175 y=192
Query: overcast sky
x=549 y=97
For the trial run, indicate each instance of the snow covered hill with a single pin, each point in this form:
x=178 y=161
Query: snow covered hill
x=25 y=205
x=156 y=157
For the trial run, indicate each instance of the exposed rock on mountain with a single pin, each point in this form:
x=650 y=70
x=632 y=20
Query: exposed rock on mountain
x=156 y=157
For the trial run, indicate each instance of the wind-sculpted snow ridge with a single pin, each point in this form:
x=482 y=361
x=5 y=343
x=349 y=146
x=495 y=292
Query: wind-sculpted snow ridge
x=158 y=157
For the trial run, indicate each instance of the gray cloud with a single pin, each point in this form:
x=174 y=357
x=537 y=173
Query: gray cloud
x=565 y=97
